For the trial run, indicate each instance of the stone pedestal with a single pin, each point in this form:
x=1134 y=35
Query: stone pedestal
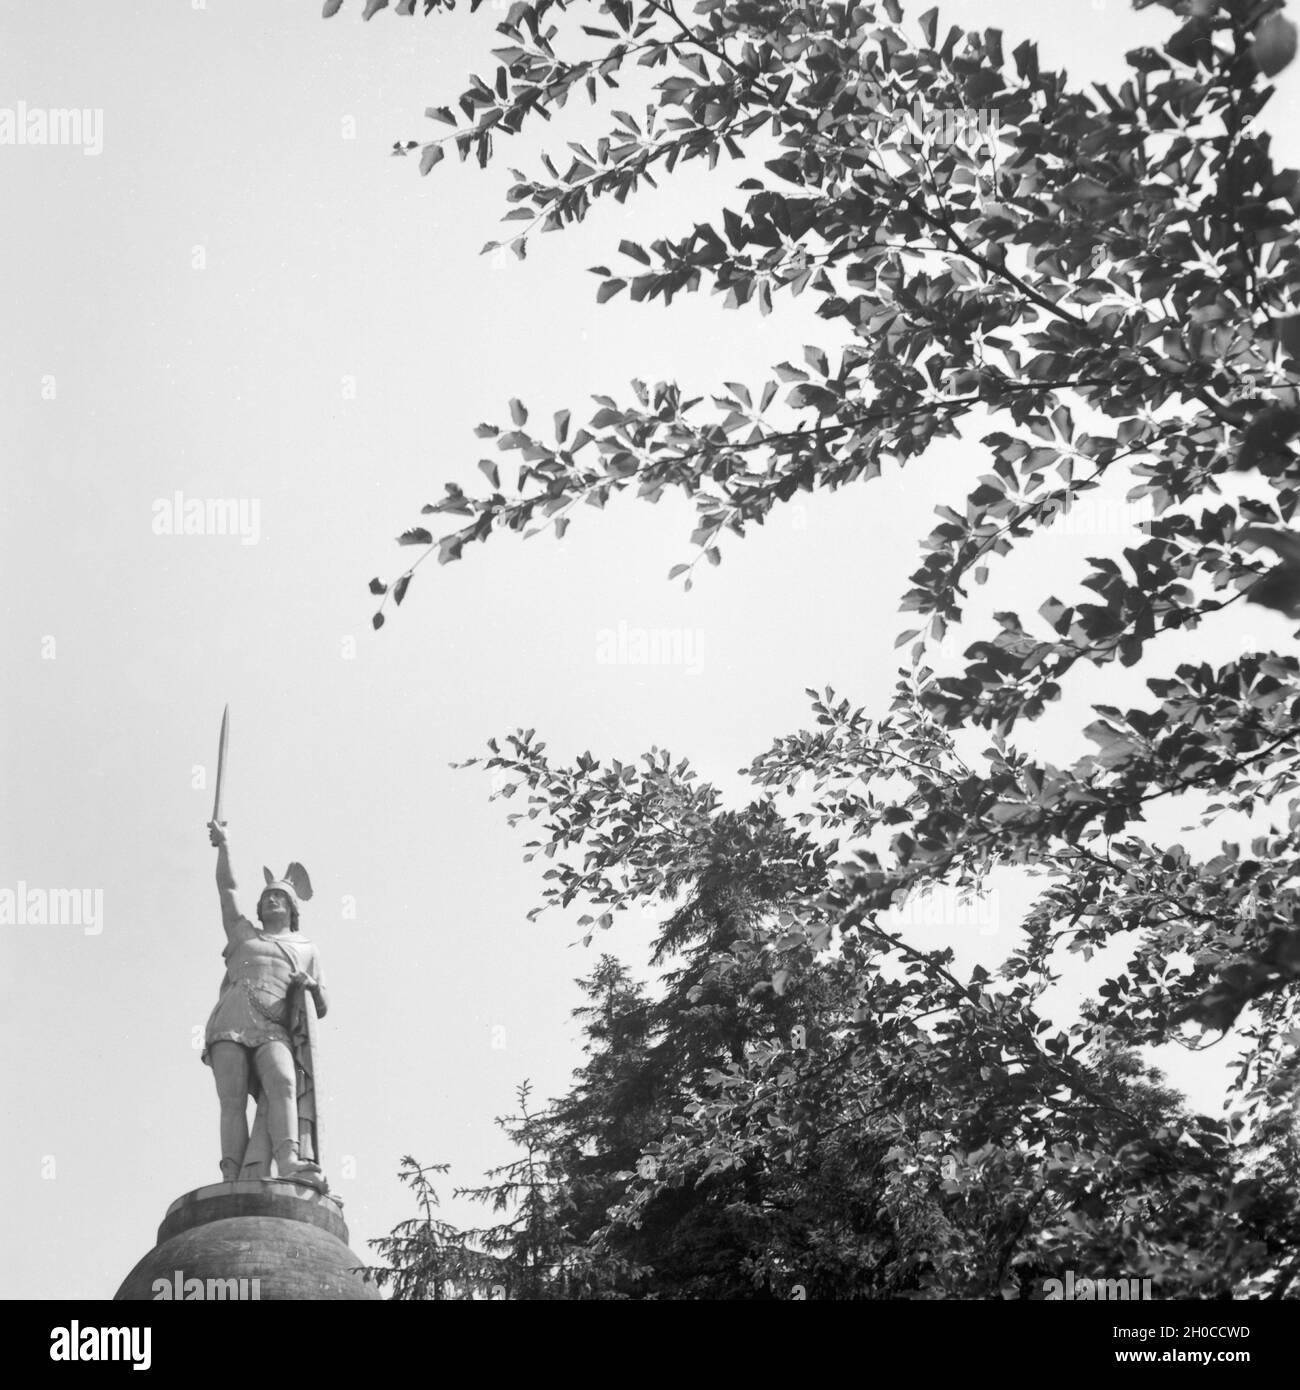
x=272 y=1240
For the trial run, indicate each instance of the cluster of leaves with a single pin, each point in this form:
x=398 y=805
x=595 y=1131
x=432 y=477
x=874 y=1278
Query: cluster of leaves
x=426 y=1257
x=1128 y=251
x=1114 y=275
x=828 y=1108
x=755 y=1133
x=531 y=1253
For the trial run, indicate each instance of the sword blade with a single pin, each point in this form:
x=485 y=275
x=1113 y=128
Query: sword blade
x=222 y=746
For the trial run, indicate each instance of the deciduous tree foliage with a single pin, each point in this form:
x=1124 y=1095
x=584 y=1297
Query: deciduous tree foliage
x=1110 y=278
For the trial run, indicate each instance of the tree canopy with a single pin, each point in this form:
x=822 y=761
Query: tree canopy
x=1087 y=286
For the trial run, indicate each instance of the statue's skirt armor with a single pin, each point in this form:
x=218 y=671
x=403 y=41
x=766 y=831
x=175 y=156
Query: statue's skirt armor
x=251 y=1008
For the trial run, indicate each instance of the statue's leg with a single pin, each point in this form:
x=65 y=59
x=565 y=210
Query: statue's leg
x=275 y=1070
x=257 y=1157
x=230 y=1068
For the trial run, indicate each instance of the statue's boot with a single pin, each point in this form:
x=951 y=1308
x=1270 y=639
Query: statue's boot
x=289 y=1165
x=230 y=1170
x=257 y=1156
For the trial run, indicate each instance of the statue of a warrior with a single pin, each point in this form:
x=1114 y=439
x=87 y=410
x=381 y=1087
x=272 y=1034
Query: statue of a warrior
x=260 y=1039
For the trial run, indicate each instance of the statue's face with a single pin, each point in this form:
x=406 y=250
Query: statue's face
x=274 y=908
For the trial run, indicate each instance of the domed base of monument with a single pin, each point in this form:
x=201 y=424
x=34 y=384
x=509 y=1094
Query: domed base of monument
x=272 y=1240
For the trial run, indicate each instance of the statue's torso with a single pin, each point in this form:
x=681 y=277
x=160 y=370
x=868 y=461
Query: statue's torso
x=252 y=1008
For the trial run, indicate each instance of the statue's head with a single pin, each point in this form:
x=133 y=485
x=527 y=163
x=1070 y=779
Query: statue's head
x=276 y=899
x=283 y=896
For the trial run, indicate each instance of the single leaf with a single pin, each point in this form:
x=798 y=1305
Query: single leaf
x=1287 y=332
x=1275 y=44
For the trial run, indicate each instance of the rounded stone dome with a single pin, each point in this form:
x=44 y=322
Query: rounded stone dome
x=268 y=1241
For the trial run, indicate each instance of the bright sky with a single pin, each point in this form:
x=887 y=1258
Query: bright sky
x=243 y=297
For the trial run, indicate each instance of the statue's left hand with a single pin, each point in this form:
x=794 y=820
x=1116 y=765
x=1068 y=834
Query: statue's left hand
x=302 y=979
